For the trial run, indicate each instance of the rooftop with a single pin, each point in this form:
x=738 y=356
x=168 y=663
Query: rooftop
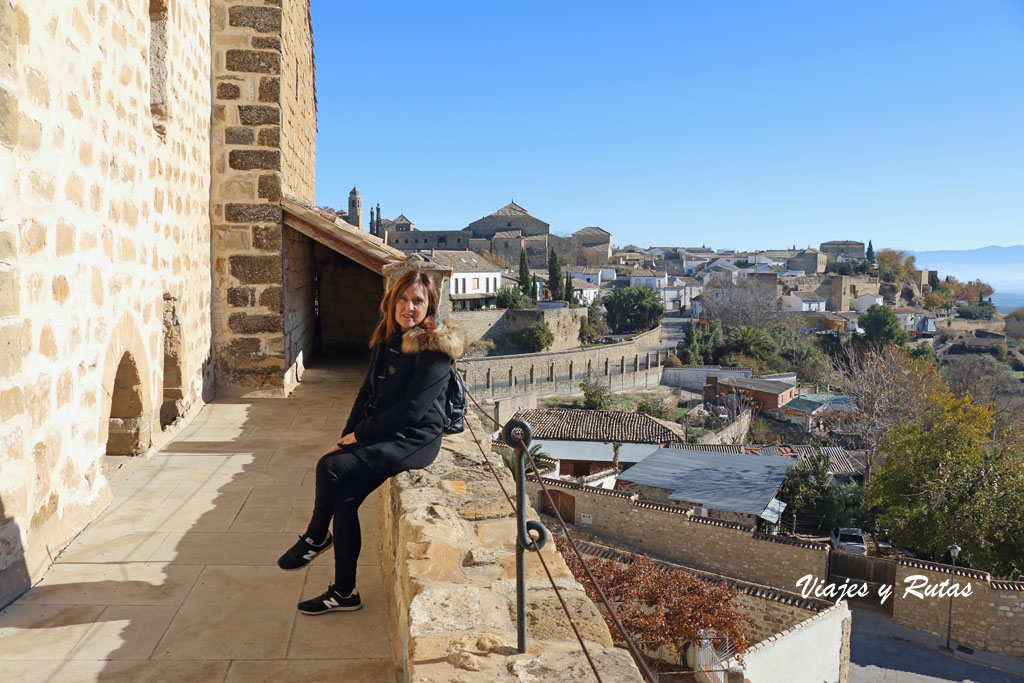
x=764 y=385
x=737 y=482
x=595 y=425
x=463 y=261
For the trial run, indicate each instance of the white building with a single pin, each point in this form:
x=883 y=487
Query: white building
x=650 y=279
x=865 y=301
x=592 y=274
x=802 y=301
x=678 y=294
x=475 y=281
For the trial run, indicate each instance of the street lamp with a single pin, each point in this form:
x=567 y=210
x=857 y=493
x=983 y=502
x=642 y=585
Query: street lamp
x=954 y=551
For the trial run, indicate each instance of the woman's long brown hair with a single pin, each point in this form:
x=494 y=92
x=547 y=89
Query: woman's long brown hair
x=388 y=325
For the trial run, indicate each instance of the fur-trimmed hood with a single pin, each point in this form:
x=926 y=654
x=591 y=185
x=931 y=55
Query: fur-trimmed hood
x=448 y=340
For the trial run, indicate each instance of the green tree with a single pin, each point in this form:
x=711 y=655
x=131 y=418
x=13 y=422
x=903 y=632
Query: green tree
x=1015 y=324
x=805 y=484
x=533 y=288
x=981 y=310
x=655 y=406
x=750 y=341
x=870 y=253
x=587 y=335
x=535 y=337
x=882 y=326
x=945 y=481
x=568 y=293
x=555 y=284
x=595 y=395
x=524 y=273
x=510 y=297
x=632 y=308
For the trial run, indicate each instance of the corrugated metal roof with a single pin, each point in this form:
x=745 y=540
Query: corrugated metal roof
x=595 y=451
x=720 y=481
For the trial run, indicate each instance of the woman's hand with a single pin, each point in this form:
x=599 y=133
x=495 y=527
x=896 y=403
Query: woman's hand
x=349 y=438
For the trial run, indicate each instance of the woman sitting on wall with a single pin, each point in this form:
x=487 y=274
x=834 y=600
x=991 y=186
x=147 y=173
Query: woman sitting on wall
x=395 y=425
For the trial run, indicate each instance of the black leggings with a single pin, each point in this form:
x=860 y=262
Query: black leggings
x=343 y=482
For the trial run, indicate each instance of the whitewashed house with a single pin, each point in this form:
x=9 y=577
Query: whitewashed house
x=475 y=281
x=865 y=301
x=802 y=301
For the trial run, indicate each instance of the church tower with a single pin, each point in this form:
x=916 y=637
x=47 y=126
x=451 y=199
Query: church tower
x=355 y=208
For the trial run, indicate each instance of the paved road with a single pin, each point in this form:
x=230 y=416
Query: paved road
x=881 y=652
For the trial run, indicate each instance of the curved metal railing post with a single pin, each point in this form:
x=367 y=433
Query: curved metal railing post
x=518 y=432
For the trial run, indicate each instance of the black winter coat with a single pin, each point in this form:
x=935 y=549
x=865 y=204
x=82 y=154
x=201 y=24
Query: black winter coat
x=396 y=417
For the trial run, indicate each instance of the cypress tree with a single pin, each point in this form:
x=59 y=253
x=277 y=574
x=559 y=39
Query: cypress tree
x=870 y=253
x=554 y=277
x=524 y=272
x=569 y=295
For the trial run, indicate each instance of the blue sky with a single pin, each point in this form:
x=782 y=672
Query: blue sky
x=742 y=124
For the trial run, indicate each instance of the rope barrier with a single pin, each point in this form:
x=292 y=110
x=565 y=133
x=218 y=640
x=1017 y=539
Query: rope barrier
x=633 y=650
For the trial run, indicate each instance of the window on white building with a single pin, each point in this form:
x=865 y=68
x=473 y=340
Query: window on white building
x=476 y=283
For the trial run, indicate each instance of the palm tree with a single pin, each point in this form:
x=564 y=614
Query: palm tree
x=750 y=341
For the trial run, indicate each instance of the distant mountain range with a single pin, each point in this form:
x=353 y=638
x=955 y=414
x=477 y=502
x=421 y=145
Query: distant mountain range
x=1002 y=267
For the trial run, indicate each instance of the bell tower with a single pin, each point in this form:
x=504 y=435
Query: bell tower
x=355 y=208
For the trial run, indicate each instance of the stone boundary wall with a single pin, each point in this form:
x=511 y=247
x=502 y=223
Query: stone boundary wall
x=991 y=618
x=452 y=610
x=573 y=364
x=564 y=324
x=698 y=542
x=732 y=434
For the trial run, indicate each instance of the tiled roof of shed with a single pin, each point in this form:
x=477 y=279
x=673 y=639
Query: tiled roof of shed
x=595 y=425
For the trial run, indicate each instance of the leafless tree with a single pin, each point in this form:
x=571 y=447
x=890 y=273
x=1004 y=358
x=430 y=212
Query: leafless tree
x=747 y=303
x=990 y=382
x=887 y=387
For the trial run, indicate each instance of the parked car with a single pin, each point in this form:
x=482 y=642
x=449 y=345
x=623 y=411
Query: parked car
x=849 y=540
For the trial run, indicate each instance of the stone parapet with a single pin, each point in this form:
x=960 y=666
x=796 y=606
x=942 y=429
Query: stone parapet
x=452 y=612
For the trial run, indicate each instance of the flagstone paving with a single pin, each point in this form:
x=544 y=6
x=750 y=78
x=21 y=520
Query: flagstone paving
x=177 y=580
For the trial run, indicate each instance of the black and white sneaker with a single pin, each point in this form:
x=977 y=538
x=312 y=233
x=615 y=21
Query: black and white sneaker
x=331 y=601
x=303 y=552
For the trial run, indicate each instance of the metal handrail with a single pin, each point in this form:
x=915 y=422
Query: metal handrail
x=518 y=432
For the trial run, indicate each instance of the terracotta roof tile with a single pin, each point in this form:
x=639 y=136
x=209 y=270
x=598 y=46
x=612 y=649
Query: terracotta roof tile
x=595 y=425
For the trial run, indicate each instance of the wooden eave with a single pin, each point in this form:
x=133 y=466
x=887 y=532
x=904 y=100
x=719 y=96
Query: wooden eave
x=365 y=249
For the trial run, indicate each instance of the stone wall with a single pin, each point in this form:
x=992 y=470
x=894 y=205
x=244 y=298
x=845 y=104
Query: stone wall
x=296 y=301
x=484 y=324
x=452 y=612
x=298 y=101
x=991 y=618
x=564 y=324
x=573 y=364
x=732 y=434
x=104 y=254
x=697 y=542
x=344 y=326
x=262 y=92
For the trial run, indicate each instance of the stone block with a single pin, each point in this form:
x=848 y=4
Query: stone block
x=253 y=61
x=12 y=403
x=239 y=135
x=8 y=118
x=256 y=270
x=271 y=298
x=255 y=323
x=8 y=250
x=243 y=345
x=266 y=237
x=261 y=19
x=241 y=297
x=270 y=137
x=9 y=298
x=266 y=43
x=65 y=237
x=251 y=213
x=269 y=187
x=237 y=189
x=246 y=160
x=259 y=115
x=270 y=89
x=30 y=134
x=228 y=91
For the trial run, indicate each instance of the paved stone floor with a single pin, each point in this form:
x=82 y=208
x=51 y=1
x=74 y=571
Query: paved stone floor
x=177 y=580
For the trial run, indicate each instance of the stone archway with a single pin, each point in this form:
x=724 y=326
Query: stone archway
x=129 y=432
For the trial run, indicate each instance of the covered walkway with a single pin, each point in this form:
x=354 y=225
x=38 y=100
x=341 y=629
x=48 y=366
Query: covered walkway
x=177 y=580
